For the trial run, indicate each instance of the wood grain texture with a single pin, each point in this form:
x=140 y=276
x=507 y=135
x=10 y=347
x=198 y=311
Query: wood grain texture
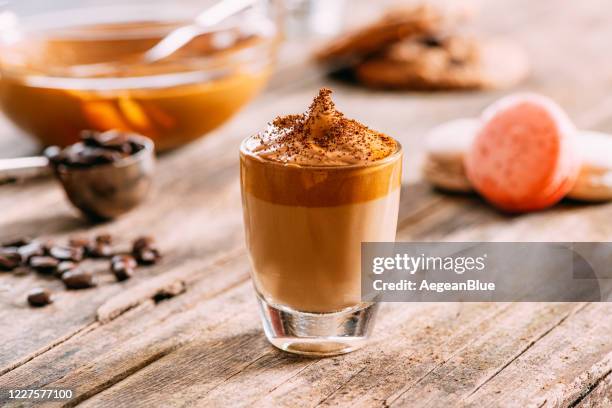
x=117 y=347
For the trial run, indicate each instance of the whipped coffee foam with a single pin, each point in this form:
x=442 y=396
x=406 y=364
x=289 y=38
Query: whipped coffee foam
x=320 y=137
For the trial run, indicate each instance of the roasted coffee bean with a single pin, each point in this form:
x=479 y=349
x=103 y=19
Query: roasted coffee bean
x=110 y=139
x=39 y=297
x=126 y=259
x=66 y=253
x=61 y=253
x=44 y=264
x=147 y=256
x=64 y=267
x=104 y=239
x=78 y=279
x=79 y=155
x=89 y=137
x=9 y=250
x=9 y=260
x=97 y=155
x=100 y=250
x=73 y=156
x=145 y=250
x=143 y=242
x=79 y=242
x=32 y=249
x=121 y=271
x=101 y=247
x=18 y=242
x=123 y=266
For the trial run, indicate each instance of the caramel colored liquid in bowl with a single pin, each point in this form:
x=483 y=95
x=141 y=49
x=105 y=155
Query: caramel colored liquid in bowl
x=172 y=102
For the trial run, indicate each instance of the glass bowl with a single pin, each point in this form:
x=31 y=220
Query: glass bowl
x=47 y=90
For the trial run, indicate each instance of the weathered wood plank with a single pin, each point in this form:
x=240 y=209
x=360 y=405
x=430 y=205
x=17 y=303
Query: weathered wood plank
x=599 y=396
x=559 y=369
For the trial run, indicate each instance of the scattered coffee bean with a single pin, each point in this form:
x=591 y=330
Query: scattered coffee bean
x=123 y=266
x=18 y=242
x=148 y=256
x=78 y=279
x=9 y=260
x=78 y=242
x=122 y=273
x=64 y=267
x=9 y=249
x=101 y=246
x=39 y=297
x=66 y=253
x=145 y=251
x=104 y=239
x=126 y=259
x=30 y=250
x=143 y=242
x=44 y=264
x=24 y=255
x=99 y=250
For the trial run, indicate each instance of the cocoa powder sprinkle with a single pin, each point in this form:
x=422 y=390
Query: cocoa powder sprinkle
x=321 y=136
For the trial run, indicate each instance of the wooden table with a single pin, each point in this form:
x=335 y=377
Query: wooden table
x=115 y=346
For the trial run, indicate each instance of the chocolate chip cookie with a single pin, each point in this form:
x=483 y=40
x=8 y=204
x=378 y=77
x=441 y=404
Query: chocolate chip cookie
x=445 y=63
x=394 y=26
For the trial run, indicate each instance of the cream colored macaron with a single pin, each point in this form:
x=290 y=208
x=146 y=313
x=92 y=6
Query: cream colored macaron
x=447 y=144
x=594 y=182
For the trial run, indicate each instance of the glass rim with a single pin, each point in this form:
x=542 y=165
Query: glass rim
x=399 y=150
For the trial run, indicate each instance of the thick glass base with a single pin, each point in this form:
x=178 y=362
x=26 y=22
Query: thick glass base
x=317 y=334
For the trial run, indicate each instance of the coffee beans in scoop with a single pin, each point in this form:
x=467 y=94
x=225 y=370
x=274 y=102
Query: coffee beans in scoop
x=65 y=261
x=95 y=148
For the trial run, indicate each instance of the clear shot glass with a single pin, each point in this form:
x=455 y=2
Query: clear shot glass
x=304 y=227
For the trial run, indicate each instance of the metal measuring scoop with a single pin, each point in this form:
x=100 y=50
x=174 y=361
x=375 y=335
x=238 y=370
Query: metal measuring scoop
x=100 y=191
